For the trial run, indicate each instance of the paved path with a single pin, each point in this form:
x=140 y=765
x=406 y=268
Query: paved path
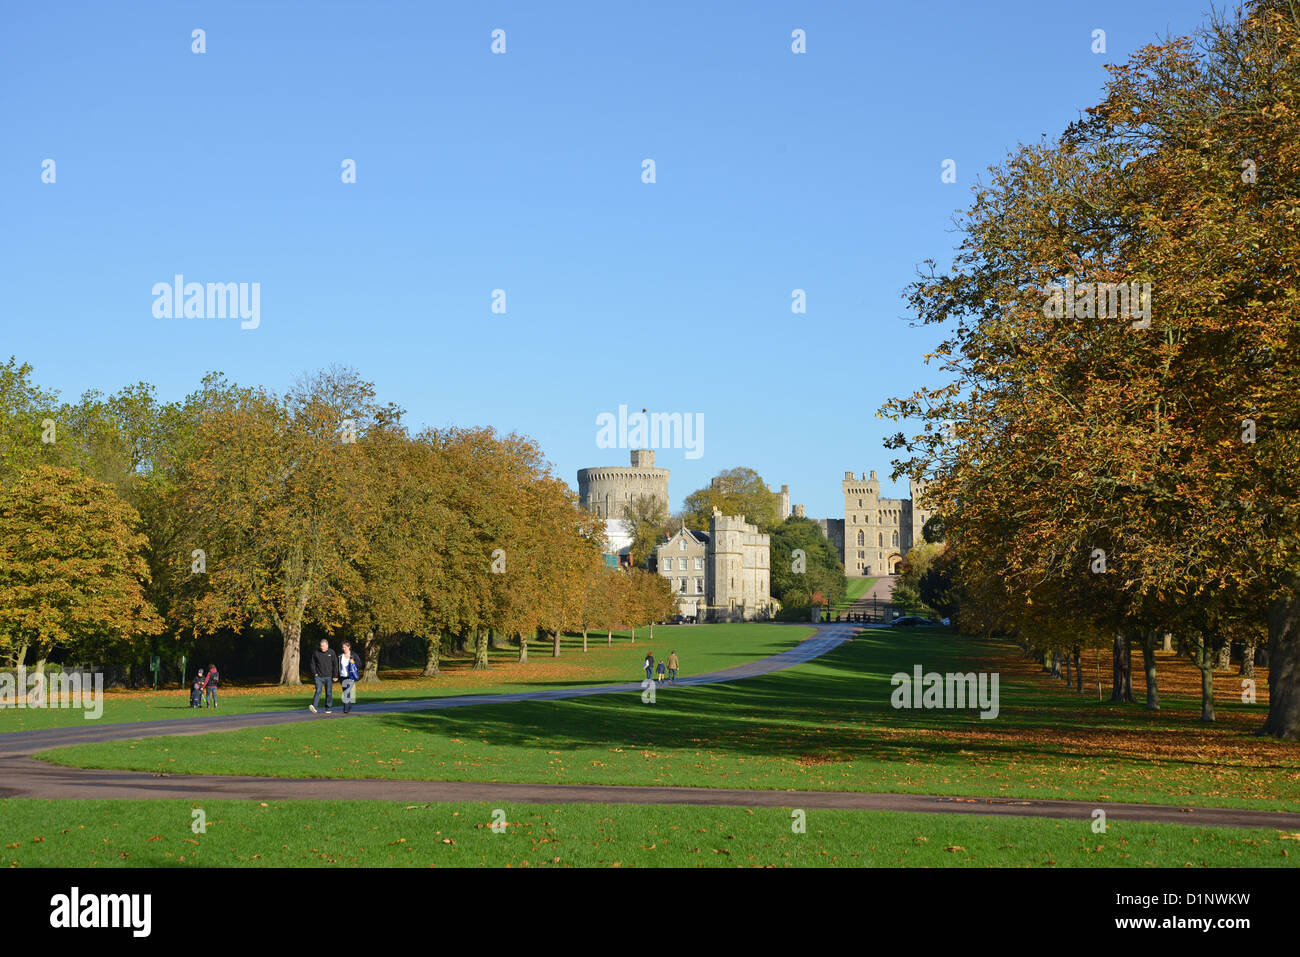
x=23 y=777
x=21 y=743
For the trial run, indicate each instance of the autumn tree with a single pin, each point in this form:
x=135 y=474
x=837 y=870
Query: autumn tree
x=71 y=574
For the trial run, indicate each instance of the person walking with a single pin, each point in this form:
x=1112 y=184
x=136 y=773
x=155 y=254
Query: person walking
x=649 y=665
x=325 y=671
x=210 y=681
x=660 y=672
x=672 y=667
x=349 y=674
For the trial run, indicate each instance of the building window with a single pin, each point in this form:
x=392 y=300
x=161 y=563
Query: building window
x=881 y=541
x=699 y=586
x=862 y=538
x=895 y=539
x=861 y=554
x=681 y=585
x=681 y=544
x=681 y=563
x=859 y=503
x=699 y=563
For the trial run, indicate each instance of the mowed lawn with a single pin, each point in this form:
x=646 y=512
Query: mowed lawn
x=389 y=834
x=824 y=725
x=700 y=648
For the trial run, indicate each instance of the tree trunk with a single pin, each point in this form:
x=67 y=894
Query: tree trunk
x=555 y=643
x=1056 y=664
x=291 y=656
x=609 y=638
x=1225 y=657
x=1065 y=667
x=370 y=659
x=1205 y=661
x=1248 y=660
x=1148 y=639
x=1122 y=670
x=634 y=634
x=1078 y=669
x=1284 y=663
x=432 y=657
x=584 y=640
x=523 y=647
x=652 y=631
x=480 y=649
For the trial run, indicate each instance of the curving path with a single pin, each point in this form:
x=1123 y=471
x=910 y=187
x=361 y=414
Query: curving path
x=22 y=743
x=23 y=777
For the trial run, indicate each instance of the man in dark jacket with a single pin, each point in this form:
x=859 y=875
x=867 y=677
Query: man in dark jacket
x=325 y=670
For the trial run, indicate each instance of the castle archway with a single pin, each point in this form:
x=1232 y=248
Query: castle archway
x=892 y=563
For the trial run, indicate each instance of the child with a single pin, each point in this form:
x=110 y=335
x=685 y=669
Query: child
x=660 y=671
x=196 y=690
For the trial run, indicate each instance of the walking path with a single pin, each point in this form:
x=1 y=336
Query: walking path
x=21 y=776
x=22 y=743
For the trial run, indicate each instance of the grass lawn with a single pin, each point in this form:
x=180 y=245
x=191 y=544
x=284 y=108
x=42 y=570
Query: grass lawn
x=701 y=649
x=825 y=725
x=389 y=834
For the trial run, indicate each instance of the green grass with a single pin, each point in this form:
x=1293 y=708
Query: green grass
x=855 y=588
x=701 y=649
x=392 y=834
x=825 y=725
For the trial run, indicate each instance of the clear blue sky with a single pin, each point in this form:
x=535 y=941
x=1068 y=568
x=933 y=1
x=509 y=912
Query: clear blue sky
x=522 y=172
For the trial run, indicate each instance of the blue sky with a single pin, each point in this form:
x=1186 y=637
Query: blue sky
x=522 y=172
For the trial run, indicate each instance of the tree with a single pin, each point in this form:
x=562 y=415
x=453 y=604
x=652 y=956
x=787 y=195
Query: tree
x=796 y=580
x=736 y=491
x=1103 y=450
x=647 y=518
x=279 y=499
x=71 y=575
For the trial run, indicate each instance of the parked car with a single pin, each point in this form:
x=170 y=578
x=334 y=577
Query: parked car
x=910 y=621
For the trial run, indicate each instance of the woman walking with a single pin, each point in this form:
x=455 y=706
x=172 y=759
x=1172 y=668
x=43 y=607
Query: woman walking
x=350 y=674
x=210 y=682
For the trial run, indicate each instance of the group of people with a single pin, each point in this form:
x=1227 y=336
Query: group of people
x=327 y=667
x=666 y=670
x=204 y=688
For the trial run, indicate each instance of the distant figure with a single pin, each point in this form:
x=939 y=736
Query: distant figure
x=325 y=671
x=210 y=682
x=672 y=667
x=196 y=690
x=649 y=665
x=660 y=672
x=349 y=674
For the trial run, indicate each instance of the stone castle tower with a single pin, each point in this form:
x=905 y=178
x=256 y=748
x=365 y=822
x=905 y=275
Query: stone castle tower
x=738 y=570
x=607 y=491
x=878 y=531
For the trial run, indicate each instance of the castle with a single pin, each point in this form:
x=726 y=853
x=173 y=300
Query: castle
x=720 y=575
x=608 y=491
x=877 y=532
